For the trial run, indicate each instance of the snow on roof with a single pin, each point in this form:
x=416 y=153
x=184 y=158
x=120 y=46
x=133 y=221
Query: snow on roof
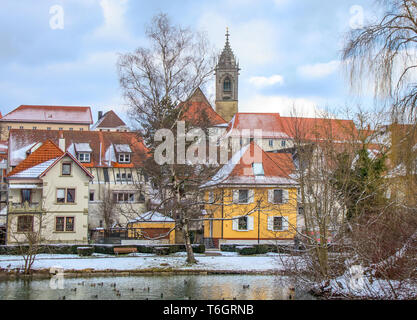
x=152 y=216
x=23 y=186
x=35 y=171
x=20 y=154
x=122 y=148
x=110 y=156
x=227 y=169
x=82 y=147
x=50 y=114
x=109 y=120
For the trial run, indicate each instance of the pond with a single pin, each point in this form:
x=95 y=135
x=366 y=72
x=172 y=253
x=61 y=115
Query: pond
x=181 y=287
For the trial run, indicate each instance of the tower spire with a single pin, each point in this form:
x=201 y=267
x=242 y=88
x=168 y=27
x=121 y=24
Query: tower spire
x=227 y=35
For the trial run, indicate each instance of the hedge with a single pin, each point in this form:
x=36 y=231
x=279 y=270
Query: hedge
x=85 y=251
x=260 y=248
x=246 y=250
x=98 y=248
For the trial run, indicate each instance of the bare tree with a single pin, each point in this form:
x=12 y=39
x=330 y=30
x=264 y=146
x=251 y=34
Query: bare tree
x=155 y=81
x=107 y=207
x=383 y=55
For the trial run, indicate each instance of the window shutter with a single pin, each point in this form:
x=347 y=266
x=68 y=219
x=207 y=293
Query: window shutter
x=285 y=223
x=235 y=224
x=271 y=223
x=285 y=196
x=271 y=196
x=251 y=196
x=235 y=196
x=250 y=223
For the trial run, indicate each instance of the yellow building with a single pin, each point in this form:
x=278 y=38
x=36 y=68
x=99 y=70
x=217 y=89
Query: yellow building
x=46 y=118
x=252 y=199
x=151 y=227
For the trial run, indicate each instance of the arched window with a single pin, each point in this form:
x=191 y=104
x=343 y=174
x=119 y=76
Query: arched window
x=227 y=85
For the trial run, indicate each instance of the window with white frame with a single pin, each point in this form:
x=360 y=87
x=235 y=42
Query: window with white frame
x=283 y=143
x=124 y=177
x=84 y=157
x=211 y=197
x=278 y=196
x=243 y=196
x=242 y=224
x=123 y=197
x=277 y=223
x=124 y=158
x=271 y=142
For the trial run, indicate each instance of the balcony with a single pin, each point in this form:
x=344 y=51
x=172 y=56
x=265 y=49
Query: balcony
x=25 y=207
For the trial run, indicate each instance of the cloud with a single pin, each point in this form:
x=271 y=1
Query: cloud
x=114 y=25
x=318 y=70
x=267 y=81
x=284 y=105
x=260 y=50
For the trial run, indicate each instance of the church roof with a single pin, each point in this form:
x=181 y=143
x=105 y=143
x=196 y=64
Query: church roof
x=197 y=109
x=227 y=59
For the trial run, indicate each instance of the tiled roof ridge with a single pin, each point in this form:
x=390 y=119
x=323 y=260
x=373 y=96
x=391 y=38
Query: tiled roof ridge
x=47 y=151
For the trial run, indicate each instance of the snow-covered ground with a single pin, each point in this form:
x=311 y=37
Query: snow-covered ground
x=226 y=262
x=365 y=287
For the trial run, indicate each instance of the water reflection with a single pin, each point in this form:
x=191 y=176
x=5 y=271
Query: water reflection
x=194 y=287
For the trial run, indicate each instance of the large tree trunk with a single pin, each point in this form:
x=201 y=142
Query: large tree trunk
x=190 y=254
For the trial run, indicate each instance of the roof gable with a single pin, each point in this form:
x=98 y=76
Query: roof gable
x=240 y=168
x=109 y=120
x=198 y=109
x=43 y=155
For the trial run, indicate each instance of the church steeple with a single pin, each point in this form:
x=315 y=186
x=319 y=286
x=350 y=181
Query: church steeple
x=227 y=74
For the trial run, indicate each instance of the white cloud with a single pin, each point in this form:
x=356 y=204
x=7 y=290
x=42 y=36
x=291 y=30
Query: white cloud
x=114 y=25
x=267 y=81
x=284 y=105
x=318 y=70
x=259 y=50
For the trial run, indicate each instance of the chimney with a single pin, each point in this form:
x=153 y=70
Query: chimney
x=61 y=143
x=100 y=115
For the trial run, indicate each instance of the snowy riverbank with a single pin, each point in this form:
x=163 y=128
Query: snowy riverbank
x=225 y=262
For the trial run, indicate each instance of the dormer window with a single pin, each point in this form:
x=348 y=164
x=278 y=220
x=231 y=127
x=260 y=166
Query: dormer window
x=83 y=151
x=84 y=157
x=123 y=153
x=258 y=169
x=124 y=158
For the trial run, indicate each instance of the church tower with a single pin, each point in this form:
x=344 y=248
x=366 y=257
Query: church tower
x=227 y=74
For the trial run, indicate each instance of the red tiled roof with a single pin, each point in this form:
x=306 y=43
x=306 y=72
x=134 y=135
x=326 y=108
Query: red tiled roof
x=273 y=166
x=47 y=151
x=319 y=128
x=110 y=120
x=275 y=126
x=284 y=162
x=21 y=140
x=50 y=114
x=198 y=109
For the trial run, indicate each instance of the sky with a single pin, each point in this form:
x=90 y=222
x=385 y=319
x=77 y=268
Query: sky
x=64 y=52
